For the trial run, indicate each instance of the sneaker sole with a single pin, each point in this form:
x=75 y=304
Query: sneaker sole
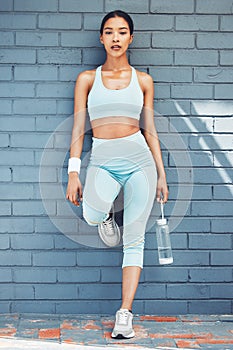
x=122 y=336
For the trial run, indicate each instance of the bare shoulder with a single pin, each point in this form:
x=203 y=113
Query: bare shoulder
x=86 y=78
x=145 y=80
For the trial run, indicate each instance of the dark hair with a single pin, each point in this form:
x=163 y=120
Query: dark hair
x=117 y=13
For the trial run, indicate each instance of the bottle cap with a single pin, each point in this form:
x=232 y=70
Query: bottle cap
x=161 y=221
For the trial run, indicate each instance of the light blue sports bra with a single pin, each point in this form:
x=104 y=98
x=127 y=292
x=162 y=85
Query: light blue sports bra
x=103 y=102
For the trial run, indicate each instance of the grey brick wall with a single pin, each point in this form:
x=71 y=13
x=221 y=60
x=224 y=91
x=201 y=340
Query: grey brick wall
x=46 y=263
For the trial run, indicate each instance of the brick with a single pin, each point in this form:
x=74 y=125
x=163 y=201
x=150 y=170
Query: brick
x=191 y=291
x=74 y=307
x=55 y=291
x=214 y=6
x=223 y=91
x=51 y=158
x=212 y=176
x=226 y=58
x=166 y=274
x=17 y=21
x=33 y=73
x=32 y=208
x=104 y=291
x=35 y=306
x=199 y=192
x=213 y=75
x=223 y=125
x=78 y=275
x=16 y=191
x=171 y=6
x=71 y=73
x=211 y=274
x=44 y=225
x=221 y=258
x=113 y=275
x=18 y=56
x=223 y=159
x=5 y=73
x=16 y=157
x=34 y=275
x=59 y=21
x=211 y=108
x=6 y=6
x=17 y=124
x=156 y=57
x=192 y=91
x=213 y=208
x=44 y=123
x=171 y=74
x=197 y=159
x=208 y=307
x=31 y=174
x=63 y=90
x=5 y=276
x=196 y=58
x=210 y=241
x=162 y=91
x=191 y=124
x=54 y=258
x=172 y=40
x=59 y=56
x=65 y=107
x=5 y=209
x=92 y=21
x=170 y=107
x=64 y=242
x=223 y=291
x=80 y=6
x=132 y=6
x=211 y=142
x=167 y=307
x=16 y=225
x=31 y=242
x=36 y=39
x=12 y=291
x=6 y=39
x=223 y=192
x=33 y=5
x=181 y=258
x=30 y=141
x=16 y=90
x=217 y=226
x=4 y=142
x=5 y=107
x=104 y=258
x=226 y=23
x=34 y=106
x=12 y=258
x=196 y=23
x=5 y=174
x=4 y=242
x=217 y=41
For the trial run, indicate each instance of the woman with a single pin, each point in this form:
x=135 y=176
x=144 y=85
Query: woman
x=116 y=95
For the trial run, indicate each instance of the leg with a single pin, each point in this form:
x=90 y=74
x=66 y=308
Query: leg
x=100 y=191
x=139 y=194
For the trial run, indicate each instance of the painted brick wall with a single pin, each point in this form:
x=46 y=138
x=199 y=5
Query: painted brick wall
x=49 y=261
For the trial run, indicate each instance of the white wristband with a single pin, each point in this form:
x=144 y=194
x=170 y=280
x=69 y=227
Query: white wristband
x=74 y=164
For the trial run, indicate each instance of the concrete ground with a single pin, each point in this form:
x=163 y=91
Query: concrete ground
x=92 y=332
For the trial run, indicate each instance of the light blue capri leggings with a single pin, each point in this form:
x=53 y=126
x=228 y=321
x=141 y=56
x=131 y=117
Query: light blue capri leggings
x=114 y=163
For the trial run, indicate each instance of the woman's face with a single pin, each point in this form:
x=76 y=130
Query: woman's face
x=116 y=36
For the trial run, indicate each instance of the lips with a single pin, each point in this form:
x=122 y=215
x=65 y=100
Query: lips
x=115 y=47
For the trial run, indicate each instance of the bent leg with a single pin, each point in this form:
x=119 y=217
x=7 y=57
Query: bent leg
x=139 y=195
x=100 y=191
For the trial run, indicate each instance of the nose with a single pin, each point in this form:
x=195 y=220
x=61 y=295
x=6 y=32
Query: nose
x=115 y=37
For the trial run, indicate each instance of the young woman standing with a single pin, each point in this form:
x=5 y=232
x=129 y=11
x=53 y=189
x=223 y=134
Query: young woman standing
x=116 y=96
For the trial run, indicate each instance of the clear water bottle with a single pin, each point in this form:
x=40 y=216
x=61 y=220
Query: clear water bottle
x=163 y=240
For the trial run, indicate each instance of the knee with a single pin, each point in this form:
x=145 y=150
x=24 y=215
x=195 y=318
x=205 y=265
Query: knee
x=92 y=216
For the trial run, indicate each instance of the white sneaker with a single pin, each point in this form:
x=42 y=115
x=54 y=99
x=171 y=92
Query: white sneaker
x=123 y=325
x=109 y=231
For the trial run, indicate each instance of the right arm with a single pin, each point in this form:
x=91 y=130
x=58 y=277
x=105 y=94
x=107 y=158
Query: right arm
x=74 y=188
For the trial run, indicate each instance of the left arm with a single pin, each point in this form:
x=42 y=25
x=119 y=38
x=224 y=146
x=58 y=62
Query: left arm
x=151 y=135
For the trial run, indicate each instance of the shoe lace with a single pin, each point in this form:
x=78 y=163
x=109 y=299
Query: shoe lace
x=122 y=317
x=109 y=225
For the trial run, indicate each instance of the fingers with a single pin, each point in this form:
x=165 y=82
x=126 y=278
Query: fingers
x=162 y=195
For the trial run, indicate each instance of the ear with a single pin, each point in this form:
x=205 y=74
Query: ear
x=101 y=40
x=131 y=38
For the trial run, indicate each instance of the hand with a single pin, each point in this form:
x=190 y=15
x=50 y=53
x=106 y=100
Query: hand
x=162 y=190
x=74 y=189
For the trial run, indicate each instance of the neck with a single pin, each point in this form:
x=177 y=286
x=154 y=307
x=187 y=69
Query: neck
x=116 y=63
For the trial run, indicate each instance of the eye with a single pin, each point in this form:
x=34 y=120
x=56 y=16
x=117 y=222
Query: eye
x=108 y=33
x=123 y=33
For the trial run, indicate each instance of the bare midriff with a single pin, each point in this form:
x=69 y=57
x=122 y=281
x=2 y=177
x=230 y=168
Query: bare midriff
x=114 y=127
